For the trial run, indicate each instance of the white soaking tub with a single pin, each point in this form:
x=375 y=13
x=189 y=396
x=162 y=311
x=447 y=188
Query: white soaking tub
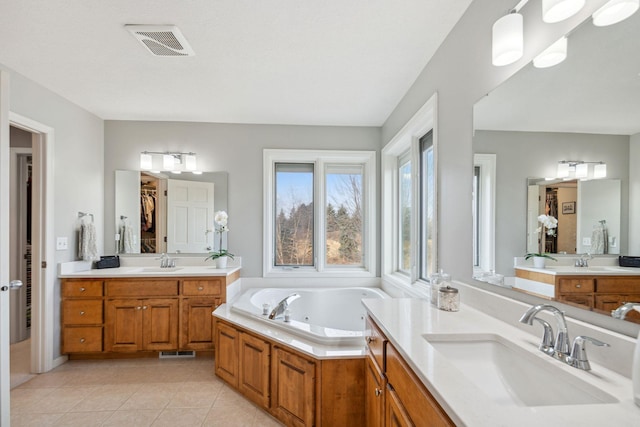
x=331 y=316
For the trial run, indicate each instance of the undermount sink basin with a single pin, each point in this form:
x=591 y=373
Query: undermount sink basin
x=511 y=375
x=158 y=269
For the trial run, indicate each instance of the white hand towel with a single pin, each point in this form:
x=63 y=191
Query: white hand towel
x=87 y=244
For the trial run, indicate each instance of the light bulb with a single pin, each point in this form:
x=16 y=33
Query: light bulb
x=553 y=55
x=146 y=161
x=615 y=11
x=508 y=40
x=559 y=10
x=168 y=162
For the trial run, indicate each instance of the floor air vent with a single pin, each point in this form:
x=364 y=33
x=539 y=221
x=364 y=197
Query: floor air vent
x=175 y=354
x=161 y=40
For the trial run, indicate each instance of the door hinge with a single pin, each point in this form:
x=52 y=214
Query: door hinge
x=43 y=264
x=165 y=192
x=165 y=239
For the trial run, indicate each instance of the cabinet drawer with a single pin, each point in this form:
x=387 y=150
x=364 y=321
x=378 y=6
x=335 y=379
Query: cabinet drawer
x=376 y=344
x=618 y=285
x=142 y=288
x=201 y=287
x=81 y=288
x=82 y=339
x=82 y=312
x=576 y=285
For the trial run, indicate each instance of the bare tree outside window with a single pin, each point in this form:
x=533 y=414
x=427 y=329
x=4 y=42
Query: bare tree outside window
x=344 y=222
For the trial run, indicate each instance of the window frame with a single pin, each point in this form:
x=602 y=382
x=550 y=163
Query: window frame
x=320 y=159
x=408 y=138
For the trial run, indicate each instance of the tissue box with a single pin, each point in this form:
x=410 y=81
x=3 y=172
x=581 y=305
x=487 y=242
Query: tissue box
x=629 y=261
x=111 y=261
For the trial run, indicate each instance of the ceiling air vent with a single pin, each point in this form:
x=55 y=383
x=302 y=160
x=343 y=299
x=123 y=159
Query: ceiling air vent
x=161 y=40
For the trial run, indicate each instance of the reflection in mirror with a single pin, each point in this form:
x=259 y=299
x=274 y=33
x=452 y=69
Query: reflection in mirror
x=587 y=108
x=582 y=209
x=167 y=213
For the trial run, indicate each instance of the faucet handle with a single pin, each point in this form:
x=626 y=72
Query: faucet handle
x=578 y=357
x=548 y=343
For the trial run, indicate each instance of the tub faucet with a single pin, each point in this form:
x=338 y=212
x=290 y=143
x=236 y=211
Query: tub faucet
x=621 y=312
x=282 y=306
x=560 y=349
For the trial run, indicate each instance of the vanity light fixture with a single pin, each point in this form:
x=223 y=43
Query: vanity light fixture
x=615 y=11
x=553 y=55
x=559 y=10
x=580 y=169
x=172 y=161
x=507 y=39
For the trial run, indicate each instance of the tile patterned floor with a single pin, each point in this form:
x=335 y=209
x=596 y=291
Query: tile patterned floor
x=133 y=392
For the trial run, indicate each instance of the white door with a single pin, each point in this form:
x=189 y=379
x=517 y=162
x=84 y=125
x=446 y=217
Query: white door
x=189 y=216
x=4 y=250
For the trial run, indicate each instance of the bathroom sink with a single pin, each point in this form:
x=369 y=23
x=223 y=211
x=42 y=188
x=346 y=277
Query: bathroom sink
x=158 y=269
x=511 y=375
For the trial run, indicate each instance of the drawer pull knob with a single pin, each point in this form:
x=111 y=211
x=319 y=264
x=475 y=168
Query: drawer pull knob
x=138 y=308
x=144 y=307
x=82 y=289
x=578 y=286
x=378 y=391
x=82 y=340
x=200 y=288
x=82 y=313
x=370 y=340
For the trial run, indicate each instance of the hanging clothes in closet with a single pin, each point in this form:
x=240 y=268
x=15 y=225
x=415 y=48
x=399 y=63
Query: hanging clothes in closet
x=148 y=209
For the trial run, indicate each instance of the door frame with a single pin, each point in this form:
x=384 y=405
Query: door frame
x=43 y=255
x=5 y=382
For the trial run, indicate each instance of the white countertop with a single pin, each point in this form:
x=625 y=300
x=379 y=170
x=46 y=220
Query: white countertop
x=568 y=270
x=121 y=272
x=405 y=320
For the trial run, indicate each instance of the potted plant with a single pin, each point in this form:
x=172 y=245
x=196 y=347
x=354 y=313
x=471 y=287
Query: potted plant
x=221 y=255
x=548 y=226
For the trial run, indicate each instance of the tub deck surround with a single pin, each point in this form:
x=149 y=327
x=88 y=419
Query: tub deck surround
x=306 y=346
x=404 y=321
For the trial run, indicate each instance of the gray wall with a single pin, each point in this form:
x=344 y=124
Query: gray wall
x=461 y=73
x=634 y=195
x=19 y=138
x=234 y=148
x=522 y=155
x=78 y=169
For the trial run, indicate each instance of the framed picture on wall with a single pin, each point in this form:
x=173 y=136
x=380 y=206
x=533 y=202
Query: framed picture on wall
x=568 y=208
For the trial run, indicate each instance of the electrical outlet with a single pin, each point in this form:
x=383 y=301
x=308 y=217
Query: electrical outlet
x=62 y=243
x=586 y=241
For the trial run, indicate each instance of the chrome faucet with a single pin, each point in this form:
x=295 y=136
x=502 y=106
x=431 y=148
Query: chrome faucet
x=166 y=261
x=560 y=349
x=583 y=261
x=621 y=312
x=282 y=306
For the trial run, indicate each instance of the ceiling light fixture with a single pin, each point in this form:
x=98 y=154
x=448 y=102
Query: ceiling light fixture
x=507 y=39
x=553 y=55
x=559 y=10
x=615 y=11
x=173 y=161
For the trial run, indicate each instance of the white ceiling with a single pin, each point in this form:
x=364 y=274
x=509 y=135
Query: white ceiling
x=321 y=62
x=595 y=90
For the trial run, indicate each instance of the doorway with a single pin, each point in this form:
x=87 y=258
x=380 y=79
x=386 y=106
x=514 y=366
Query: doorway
x=21 y=168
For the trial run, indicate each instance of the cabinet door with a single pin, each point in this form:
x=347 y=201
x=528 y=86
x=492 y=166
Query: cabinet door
x=396 y=414
x=160 y=324
x=226 y=353
x=254 y=369
x=123 y=325
x=196 y=329
x=374 y=394
x=293 y=390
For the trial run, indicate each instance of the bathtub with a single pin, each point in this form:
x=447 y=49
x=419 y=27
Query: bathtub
x=331 y=316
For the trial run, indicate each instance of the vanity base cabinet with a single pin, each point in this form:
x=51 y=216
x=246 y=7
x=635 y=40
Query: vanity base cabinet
x=145 y=314
x=396 y=415
x=294 y=380
x=375 y=395
x=227 y=349
x=147 y=324
x=254 y=376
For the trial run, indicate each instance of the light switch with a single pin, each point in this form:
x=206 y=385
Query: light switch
x=62 y=243
x=586 y=241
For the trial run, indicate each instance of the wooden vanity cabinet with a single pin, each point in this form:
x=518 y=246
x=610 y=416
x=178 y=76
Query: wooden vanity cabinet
x=82 y=316
x=294 y=381
x=146 y=314
x=227 y=347
x=375 y=380
x=576 y=290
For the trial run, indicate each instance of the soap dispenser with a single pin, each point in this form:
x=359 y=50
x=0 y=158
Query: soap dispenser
x=635 y=369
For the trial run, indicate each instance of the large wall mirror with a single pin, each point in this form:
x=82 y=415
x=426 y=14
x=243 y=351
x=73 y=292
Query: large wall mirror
x=586 y=108
x=160 y=212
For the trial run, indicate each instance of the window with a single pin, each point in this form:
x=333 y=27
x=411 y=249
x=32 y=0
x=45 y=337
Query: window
x=409 y=205
x=319 y=213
